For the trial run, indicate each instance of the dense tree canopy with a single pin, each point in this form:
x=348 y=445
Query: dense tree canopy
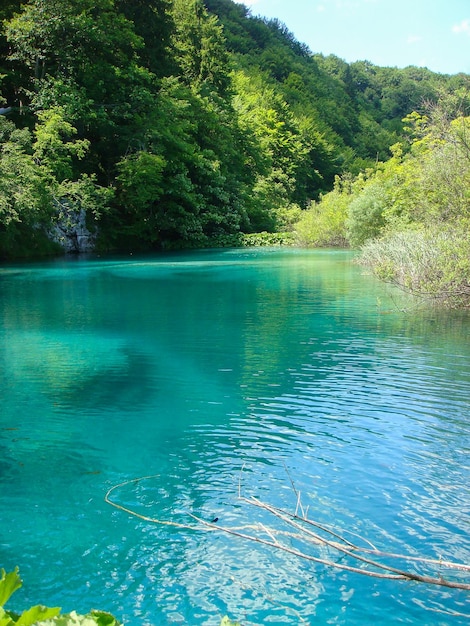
x=183 y=122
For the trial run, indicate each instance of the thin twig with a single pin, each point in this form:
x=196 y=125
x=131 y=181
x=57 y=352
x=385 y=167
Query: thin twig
x=304 y=516
x=400 y=573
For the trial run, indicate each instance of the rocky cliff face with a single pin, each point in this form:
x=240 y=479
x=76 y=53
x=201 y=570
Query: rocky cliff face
x=70 y=231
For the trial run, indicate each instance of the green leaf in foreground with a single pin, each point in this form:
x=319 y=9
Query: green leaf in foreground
x=9 y=583
x=226 y=621
x=35 y=614
x=95 y=618
x=44 y=616
x=5 y=619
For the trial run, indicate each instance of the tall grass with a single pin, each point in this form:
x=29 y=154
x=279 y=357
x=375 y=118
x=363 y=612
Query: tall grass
x=432 y=263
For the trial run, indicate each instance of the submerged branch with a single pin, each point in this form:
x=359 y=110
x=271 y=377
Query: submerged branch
x=363 y=560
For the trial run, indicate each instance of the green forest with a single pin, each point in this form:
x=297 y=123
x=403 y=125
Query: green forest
x=162 y=124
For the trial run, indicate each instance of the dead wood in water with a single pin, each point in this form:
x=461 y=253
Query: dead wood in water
x=296 y=534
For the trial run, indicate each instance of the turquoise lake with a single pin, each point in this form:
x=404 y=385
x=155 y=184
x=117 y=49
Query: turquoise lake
x=213 y=374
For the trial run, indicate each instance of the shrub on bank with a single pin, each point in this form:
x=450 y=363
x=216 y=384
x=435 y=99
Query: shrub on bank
x=432 y=263
x=267 y=239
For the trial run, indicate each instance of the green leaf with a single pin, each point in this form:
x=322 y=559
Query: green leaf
x=104 y=619
x=5 y=619
x=9 y=583
x=94 y=618
x=37 y=613
x=226 y=621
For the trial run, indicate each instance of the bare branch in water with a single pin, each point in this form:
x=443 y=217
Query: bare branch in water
x=362 y=560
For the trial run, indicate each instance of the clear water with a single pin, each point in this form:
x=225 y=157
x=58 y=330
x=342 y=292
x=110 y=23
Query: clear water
x=187 y=367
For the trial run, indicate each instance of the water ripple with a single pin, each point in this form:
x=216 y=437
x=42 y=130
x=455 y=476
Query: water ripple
x=267 y=374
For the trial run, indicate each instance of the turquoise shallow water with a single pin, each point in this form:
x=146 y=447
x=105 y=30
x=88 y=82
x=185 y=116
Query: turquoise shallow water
x=290 y=364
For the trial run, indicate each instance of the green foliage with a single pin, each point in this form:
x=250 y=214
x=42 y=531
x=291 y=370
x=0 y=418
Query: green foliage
x=444 y=172
x=324 y=223
x=267 y=239
x=422 y=219
x=228 y=622
x=366 y=217
x=141 y=178
x=39 y=185
x=432 y=263
x=53 y=147
x=57 y=39
x=177 y=123
x=189 y=182
x=41 y=615
x=200 y=47
x=283 y=151
x=9 y=583
x=25 y=193
x=152 y=22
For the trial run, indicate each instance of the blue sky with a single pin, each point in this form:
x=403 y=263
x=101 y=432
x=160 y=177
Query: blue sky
x=396 y=33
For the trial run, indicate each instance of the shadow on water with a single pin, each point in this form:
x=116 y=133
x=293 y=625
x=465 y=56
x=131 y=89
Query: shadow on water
x=129 y=384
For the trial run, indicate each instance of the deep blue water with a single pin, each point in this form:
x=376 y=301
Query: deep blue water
x=221 y=372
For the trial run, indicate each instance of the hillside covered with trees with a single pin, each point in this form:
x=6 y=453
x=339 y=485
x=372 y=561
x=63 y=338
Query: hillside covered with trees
x=173 y=123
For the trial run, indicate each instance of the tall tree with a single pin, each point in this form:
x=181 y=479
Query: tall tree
x=200 y=48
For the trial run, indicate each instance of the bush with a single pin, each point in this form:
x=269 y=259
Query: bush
x=366 y=214
x=323 y=224
x=267 y=239
x=432 y=263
